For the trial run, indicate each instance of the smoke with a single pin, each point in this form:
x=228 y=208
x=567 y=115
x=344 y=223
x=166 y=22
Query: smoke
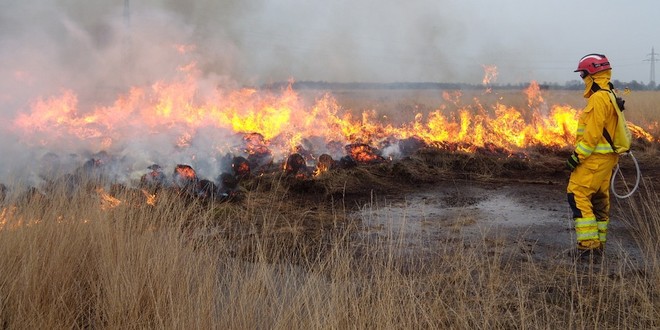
x=100 y=51
x=99 y=48
x=92 y=54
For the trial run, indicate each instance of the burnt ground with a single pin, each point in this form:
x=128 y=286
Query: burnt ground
x=432 y=200
x=509 y=205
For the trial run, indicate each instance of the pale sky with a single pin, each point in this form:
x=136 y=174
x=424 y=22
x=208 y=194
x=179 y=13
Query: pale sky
x=257 y=41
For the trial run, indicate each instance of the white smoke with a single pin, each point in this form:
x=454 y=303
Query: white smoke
x=100 y=50
x=98 y=53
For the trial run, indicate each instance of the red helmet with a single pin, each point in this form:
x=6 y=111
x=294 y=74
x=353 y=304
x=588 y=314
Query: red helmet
x=592 y=63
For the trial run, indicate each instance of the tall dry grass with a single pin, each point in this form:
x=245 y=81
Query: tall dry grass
x=643 y=217
x=67 y=263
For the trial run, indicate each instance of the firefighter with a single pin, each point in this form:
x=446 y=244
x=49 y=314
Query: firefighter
x=593 y=159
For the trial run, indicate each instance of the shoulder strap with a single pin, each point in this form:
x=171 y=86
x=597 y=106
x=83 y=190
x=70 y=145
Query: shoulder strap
x=606 y=134
x=608 y=138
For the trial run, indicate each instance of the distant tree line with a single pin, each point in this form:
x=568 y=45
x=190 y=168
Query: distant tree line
x=325 y=85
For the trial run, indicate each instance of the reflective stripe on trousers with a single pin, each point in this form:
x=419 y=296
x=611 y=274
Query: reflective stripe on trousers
x=589 y=196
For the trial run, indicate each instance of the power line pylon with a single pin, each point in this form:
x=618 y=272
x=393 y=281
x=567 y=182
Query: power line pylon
x=652 y=58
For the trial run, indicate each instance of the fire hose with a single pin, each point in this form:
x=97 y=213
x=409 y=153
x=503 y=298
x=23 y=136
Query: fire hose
x=617 y=171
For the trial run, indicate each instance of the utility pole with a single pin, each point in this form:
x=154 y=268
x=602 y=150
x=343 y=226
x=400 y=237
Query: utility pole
x=652 y=58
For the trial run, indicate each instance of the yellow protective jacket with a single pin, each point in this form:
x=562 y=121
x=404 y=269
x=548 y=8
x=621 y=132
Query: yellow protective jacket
x=598 y=114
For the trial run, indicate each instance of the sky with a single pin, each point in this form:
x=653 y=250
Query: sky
x=260 y=41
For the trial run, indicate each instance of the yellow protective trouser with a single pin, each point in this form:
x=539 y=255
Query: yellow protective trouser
x=589 y=196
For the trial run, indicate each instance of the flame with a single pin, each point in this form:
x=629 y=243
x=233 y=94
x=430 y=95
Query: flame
x=324 y=164
x=490 y=75
x=183 y=110
x=61 y=115
x=533 y=93
x=5 y=214
x=185 y=172
x=107 y=201
x=639 y=132
x=9 y=219
x=241 y=167
x=151 y=198
x=363 y=153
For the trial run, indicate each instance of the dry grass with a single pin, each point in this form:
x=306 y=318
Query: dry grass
x=642 y=108
x=284 y=260
x=66 y=263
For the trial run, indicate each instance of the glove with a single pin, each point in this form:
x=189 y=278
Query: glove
x=573 y=161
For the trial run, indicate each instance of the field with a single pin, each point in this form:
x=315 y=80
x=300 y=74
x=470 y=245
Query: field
x=440 y=238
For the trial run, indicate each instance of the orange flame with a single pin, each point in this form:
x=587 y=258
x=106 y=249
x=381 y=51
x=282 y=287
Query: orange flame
x=186 y=172
x=241 y=167
x=150 y=198
x=279 y=122
x=5 y=214
x=490 y=74
x=107 y=201
x=10 y=221
x=324 y=164
x=533 y=93
x=363 y=153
